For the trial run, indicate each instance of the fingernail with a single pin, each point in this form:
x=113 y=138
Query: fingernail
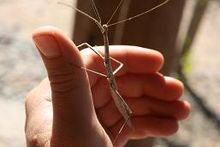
x=47 y=45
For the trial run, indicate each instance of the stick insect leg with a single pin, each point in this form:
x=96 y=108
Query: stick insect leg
x=86 y=45
x=121 y=129
x=119 y=67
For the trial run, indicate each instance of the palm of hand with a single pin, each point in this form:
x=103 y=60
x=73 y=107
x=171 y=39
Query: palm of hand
x=152 y=97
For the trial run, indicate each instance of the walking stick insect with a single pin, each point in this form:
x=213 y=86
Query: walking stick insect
x=120 y=103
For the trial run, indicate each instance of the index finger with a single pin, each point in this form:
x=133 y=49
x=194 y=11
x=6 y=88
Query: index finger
x=136 y=60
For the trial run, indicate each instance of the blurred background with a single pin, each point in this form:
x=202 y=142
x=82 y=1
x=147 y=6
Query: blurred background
x=197 y=62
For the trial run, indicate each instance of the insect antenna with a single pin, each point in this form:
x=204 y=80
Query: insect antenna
x=113 y=14
x=140 y=14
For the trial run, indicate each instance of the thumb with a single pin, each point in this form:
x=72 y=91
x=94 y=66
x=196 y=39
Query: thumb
x=71 y=97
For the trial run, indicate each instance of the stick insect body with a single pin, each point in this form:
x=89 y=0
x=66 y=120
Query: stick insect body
x=119 y=101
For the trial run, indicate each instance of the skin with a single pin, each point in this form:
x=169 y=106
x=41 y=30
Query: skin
x=74 y=109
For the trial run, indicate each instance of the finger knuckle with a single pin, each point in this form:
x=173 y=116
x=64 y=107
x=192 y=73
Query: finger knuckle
x=65 y=83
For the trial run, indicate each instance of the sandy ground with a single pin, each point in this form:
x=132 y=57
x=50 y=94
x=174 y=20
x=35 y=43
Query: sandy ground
x=18 y=18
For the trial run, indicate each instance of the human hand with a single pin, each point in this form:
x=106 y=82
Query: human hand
x=74 y=109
